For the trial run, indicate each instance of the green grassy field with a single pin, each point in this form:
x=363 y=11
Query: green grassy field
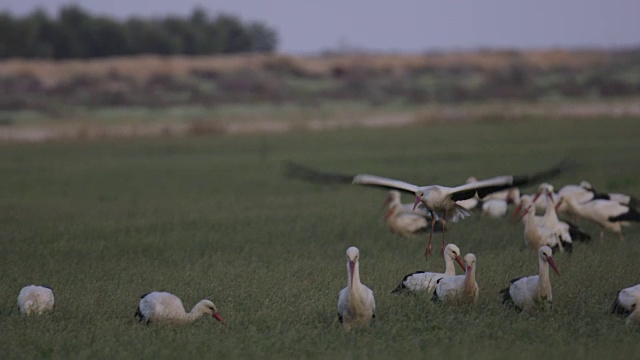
x=213 y=217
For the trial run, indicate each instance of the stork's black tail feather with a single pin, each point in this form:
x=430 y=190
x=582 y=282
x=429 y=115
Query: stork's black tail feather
x=618 y=309
x=631 y=215
x=506 y=297
x=139 y=315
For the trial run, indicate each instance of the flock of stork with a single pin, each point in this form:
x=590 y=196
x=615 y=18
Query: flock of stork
x=436 y=204
x=433 y=208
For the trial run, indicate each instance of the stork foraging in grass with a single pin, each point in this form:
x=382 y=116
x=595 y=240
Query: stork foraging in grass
x=528 y=292
x=627 y=303
x=440 y=201
x=609 y=214
x=402 y=219
x=458 y=289
x=35 y=300
x=356 y=304
x=163 y=307
x=426 y=281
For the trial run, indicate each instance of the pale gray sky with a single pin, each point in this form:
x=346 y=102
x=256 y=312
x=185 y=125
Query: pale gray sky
x=405 y=25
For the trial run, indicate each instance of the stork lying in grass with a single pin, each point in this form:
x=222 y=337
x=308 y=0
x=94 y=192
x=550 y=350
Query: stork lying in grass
x=35 y=300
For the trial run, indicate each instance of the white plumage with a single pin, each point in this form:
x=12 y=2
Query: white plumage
x=459 y=289
x=165 y=307
x=426 y=281
x=35 y=299
x=533 y=291
x=627 y=303
x=356 y=304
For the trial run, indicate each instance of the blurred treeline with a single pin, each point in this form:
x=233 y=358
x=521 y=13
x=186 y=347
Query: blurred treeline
x=75 y=33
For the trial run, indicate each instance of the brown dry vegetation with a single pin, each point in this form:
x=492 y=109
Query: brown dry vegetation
x=143 y=67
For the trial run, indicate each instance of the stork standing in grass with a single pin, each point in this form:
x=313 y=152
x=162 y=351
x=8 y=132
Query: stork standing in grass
x=163 y=307
x=356 y=304
x=627 y=303
x=459 y=289
x=35 y=300
x=533 y=291
x=426 y=281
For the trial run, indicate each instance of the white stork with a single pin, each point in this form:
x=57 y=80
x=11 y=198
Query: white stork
x=530 y=291
x=426 y=281
x=163 y=307
x=35 y=300
x=609 y=214
x=356 y=304
x=627 y=303
x=458 y=289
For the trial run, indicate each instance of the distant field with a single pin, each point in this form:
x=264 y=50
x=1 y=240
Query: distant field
x=213 y=217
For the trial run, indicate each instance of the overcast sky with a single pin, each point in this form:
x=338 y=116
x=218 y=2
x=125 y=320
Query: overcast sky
x=404 y=25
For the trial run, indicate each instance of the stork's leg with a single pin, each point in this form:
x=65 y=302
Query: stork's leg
x=427 y=252
x=620 y=236
x=443 y=222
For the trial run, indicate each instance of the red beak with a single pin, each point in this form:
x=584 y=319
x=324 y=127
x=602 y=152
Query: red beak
x=558 y=204
x=352 y=267
x=219 y=317
x=461 y=263
x=415 y=203
x=386 y=202
x=386 y=216
x=536 y=197
x=516 y=211
x=553 y=265
x=525 y=213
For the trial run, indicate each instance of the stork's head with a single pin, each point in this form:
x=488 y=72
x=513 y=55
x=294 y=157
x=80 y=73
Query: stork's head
x=544 y=188
x=453 y=252
x=419 y=195
x=586 y=185
x=470 y=261
x=545 y=254
x=392 y=198
x=208 y=307
x=353 y=255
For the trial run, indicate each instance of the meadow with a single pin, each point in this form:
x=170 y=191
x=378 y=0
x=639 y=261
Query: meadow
x=213 y=217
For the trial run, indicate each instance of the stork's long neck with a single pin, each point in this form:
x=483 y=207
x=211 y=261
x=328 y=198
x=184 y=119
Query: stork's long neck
x=470 y=279
x=450 y=268
x=550 y=214
x=195 y=313
x=354 y=279
x=544 y=285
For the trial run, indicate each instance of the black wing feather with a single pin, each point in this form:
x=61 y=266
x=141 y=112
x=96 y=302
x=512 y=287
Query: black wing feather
x=295 y=170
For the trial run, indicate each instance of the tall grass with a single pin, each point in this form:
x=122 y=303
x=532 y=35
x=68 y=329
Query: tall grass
x=103 y=223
